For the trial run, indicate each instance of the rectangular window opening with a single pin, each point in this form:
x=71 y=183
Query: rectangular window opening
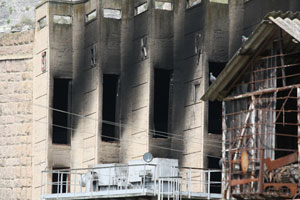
x=140 y=9
x=62 y=19
x=162 y=81
x=42 y=23
x=109 y=107
x=219 y=1
x=215 y=177
x=60 y=181
x=92 y=15
x=61 y=102
x=144 y=51
x=161 y=5
x=191 y=3
x=112 y=13
x=286 y=128
x=215 y=107
x=196 y=92
x=93 y=55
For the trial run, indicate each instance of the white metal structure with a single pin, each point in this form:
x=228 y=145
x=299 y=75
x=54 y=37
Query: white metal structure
x=161 y=178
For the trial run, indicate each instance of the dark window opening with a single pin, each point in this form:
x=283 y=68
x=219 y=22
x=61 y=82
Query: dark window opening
x=162 y=79
x=60 y=181
x=196 y=92
x=110 y=93
x=215 y=107
x=93 y=55
x=286 y=123
x=215 y=177
x=61 y=119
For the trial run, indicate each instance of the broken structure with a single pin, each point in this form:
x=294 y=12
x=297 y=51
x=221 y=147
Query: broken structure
x=105 y=81
x=115 y=79
x=260 y=90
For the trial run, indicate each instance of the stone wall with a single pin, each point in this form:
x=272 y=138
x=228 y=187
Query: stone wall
x=15 y=115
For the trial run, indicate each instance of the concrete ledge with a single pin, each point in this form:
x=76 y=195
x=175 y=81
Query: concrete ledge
x=72 y=2
x=16 y=57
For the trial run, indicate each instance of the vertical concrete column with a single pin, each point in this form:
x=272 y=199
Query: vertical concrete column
x=236 y=20
x=41 y=96
x=135 y=81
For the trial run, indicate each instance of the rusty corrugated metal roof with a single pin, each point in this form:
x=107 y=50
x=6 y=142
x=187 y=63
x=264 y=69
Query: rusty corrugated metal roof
x=287 y=21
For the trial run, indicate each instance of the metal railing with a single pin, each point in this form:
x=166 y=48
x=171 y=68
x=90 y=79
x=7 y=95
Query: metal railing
x=117 y=180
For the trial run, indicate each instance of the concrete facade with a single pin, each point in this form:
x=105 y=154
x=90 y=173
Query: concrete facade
x=178 y=44
x=184 y=41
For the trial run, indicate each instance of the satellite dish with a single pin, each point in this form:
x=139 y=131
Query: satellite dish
x=148 y=157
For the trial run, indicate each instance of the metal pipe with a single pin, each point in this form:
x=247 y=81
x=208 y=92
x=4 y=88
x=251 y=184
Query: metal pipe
x=208 y=184
x=67 y=184
x=60 y=176
x=74 y=189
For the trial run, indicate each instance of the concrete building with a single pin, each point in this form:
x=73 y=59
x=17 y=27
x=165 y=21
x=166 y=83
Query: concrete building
x=111 y=80
x=131 y=73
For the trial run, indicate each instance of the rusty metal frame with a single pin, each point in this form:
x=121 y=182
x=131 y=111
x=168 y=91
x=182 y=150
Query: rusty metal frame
x=246 y=129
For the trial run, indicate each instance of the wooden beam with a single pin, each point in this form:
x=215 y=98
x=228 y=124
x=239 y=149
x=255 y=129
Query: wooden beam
x=242 y=181
x=280 y=162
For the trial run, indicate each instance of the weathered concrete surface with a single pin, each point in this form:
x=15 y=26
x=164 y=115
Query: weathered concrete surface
x=182 y=40
x=245 y=15
x=16 y=115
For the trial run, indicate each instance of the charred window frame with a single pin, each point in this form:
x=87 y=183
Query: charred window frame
x=196 y=92
x=164 y=5
x=144 y=48
x=192 y=3
x=93 y=55
x=141 y=8
x=219 y=1
x=60 y=113
x=42 y=22
x=163 y=82
x=111 y=13
x=62 y=19
x=91 y=16
x=109 y=107
x=198 y=42
x=215 y=107
x=61 y=180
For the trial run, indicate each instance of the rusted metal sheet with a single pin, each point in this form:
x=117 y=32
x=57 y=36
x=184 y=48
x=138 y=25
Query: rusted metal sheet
x=291 y=26
x=242 y=181
x=280 y=162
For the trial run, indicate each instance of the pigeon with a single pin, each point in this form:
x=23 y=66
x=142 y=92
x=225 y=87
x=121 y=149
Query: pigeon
x=244 y=38
x=212 y=78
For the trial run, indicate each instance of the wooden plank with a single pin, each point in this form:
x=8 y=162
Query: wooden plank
x=242 y=181
x=280 y=162
x=269 y=90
